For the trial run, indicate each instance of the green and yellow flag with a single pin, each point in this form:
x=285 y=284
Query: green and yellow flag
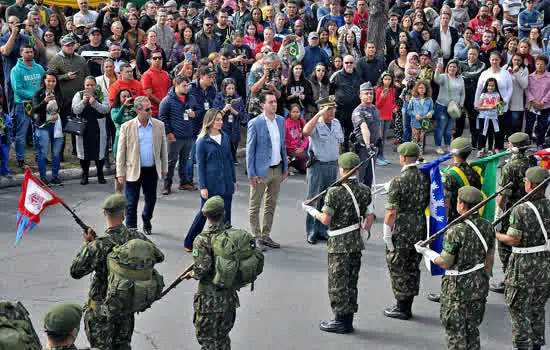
x=487 y=169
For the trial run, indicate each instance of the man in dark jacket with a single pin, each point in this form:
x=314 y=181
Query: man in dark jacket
x=226 y=69
x=446 y=36
x=148 y=19
x=369 y=67
x=177 y=112
x=314 y=54
x=205 y=38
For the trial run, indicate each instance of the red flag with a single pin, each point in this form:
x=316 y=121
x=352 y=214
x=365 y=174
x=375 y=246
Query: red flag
x=544 y=158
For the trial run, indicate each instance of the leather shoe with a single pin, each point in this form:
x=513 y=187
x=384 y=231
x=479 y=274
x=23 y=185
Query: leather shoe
x=260 y=244
x=101 y=180
x=271 y=243
x=338 y=325
x=311 y=240
x=398 y=311
x=147 y=227
x=497 y=287
x=435 y=297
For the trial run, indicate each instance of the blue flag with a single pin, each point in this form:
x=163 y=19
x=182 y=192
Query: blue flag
x=436 y=214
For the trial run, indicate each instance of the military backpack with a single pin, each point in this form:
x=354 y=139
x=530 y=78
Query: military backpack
x=238 y=261
x=16 y=330
x=133 y=283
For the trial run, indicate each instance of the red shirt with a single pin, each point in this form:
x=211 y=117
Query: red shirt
x=276 y=46
x=362 y=22
x=159 y=82
x=386 y=104
x=133 y=85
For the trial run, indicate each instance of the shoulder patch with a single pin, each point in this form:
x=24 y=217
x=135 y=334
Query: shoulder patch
x=449 y=247
x=512 y=220
x=84 y=251
x=195 y=252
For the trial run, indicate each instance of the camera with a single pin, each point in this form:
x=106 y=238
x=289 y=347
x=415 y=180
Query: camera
x=115 y=10
x=131 y=101
x=21 y=25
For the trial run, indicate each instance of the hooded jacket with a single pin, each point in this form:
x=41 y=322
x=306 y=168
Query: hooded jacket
x=236 y=74
x=25 y=80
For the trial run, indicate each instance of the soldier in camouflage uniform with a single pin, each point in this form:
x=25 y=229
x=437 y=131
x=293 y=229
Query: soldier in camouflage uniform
x=512 y=172
x=404 y=225
x=215 y=307
x=467 y=256
x=459 y=175
x=343 y=212
x=104 y=330
x=16 y=330
x=527 y=277
x=61 y=324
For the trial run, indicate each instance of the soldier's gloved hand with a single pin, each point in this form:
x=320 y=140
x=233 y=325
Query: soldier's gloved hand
x=426 y=251
x=387 y=186
x=388 y=238
x=499 y=212
x=310 y=210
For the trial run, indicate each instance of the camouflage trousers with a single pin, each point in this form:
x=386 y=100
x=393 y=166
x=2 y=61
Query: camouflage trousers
x=404 y=266
x=504 y=252
x=108 y=333
x=212 y=329
x=461 y=319
x=526 y=306
x=343 y=274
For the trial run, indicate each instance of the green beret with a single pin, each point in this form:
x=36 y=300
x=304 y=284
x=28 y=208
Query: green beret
x=536 y=174
x=470 y=195
x=63 y=318
x=213 y=204
x=461 y=145
x=408 y=149
x=348 y=160
x=115 y=203
x=328 y=101
x=519 y=139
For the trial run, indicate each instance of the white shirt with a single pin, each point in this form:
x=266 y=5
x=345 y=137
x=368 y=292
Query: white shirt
x=217 y=138
x=275 y=137
x=446 y=41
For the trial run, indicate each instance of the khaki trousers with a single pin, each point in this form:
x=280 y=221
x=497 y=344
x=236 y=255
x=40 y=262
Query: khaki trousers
x=270 y=186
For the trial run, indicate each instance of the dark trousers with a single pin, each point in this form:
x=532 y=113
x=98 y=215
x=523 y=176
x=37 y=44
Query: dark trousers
x=298 y=160
x=542 y=125
x=511 y=122
x=200 y=220
x=344 y=117
x=85 y=166
x=471 y=113
x=148 y=182
x=366 y=172
x=178 y=151
x=495 y=140
x=319 y=177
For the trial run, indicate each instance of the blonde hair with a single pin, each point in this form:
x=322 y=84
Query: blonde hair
x=208 y=121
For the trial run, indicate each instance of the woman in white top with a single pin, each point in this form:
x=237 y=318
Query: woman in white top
x=511 y=123
x=104 y=81
x=505 y=87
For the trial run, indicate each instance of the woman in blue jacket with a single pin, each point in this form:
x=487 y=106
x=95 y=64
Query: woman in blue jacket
x=215 y=168
x=232 y=108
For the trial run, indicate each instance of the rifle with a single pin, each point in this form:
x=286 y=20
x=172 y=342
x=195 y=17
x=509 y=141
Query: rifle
x=521 y=200
x=464 y=216
x=342 y=179
x=177 y=280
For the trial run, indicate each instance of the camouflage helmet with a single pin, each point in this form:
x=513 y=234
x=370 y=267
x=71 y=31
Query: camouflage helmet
x=536 y=174
x=63 y=318
x=408 y=149
x=470 y=195
x=348 y=160
x=519 y=140
x=115 y=203
x=213 y=204
x=461 y=146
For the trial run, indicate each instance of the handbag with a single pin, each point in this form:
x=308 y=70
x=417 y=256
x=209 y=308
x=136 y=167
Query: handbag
x=452 y=108
x=75 y=125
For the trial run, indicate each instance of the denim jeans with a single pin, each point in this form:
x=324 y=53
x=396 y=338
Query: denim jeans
x=191 y=162
x=148 y=182
x=23 y=122
x=200 y=220
x=384 y=127
x=43 y=137
x=444 y=125
x=542 y=125
x=178 y=150
x=407 y=132
x=319 y=176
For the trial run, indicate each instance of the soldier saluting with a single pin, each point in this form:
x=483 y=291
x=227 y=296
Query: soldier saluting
x=527 y=279
x=343 y=212
x=467 y=257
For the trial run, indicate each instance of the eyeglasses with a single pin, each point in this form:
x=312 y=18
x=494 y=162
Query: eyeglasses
x=148 y=109
x=348 y=62
x=209 y=24
x=156 y=58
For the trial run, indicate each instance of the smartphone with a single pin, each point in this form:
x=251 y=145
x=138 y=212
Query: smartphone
x=132 y=101
x=188 y=56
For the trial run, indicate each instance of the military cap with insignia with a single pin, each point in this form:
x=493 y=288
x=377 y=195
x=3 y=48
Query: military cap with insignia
x=366 y=86
x=213 y=204
x=408 y=149
x=328 y=101
x=536 y=174
x=461 y=145
x=63 y=318
x=115 y=203
x=348 y=160
x=519 y=139
x=470 y=195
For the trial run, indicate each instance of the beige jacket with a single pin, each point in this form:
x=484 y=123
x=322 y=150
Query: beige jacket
x=127 y=157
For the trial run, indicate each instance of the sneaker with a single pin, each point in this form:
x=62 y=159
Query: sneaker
x=188 y=187
x=381 y=162
x=56 y=181
x=260 y=244
x=386 y=161
x=440 y=151
x=480 y=153
x=166 y=192
x=271 y=243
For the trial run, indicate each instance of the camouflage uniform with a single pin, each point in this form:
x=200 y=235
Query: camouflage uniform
x=105 y=331
x=463 y=297
x=344 y=251
x=67 y=347
x=409 y=195
x=215 y=307
x=14 y=322
x=451 y=186
x=528 y=275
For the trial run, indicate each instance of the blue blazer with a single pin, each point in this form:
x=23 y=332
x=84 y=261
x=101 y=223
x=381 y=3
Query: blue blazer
x=215 y=166
x=258 y=146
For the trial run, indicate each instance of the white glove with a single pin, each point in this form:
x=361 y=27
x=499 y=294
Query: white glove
x=387 y=186
x=387 y=238
x=310 y=210
x=370 y=208
x=427 y=252
x=499 y=212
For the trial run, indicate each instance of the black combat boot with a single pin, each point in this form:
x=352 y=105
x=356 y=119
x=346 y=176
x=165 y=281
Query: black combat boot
x=537 y=347
x=399 y=310
x=497 y=287
x=349 y=322
x=99 y=166
x=85 y=165
x=434 y=297
x=338 y=325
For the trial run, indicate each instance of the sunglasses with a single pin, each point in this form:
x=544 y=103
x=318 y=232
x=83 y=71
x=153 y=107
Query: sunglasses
x=156 y=58
x=209 y=24
x=348 y=62
x=148 y=109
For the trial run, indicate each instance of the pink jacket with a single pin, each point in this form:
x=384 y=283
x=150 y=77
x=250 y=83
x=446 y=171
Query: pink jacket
x=294 y=136
x=538 y=90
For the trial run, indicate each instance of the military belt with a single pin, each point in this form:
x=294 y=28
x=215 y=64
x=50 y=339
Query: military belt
x=530 y=250
x=465 y=272
x=343 y=230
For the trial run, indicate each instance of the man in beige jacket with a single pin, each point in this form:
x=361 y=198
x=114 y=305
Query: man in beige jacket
x=141 y=158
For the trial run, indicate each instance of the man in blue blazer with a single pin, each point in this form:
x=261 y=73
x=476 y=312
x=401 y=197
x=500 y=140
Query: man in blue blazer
x=267 y=167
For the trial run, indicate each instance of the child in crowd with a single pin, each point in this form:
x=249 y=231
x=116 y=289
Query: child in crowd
x=385 y=102
x=420 y=110
x=487 y=120
x=296 y=142
x=412 y=69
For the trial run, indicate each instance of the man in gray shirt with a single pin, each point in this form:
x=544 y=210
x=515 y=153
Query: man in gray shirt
x=325 y=137
x=165 y=34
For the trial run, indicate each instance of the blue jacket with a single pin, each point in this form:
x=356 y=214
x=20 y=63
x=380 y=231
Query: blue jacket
x=414 y=107
x=203 y=100
x=258 y=146
x=461 y=50
x=527 y=20
x=171 y=111
x=25 y=81
x=313 y=56
x=233 y=128
x=215 y=166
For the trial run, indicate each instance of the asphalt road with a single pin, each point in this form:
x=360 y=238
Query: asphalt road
x=290 y=297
